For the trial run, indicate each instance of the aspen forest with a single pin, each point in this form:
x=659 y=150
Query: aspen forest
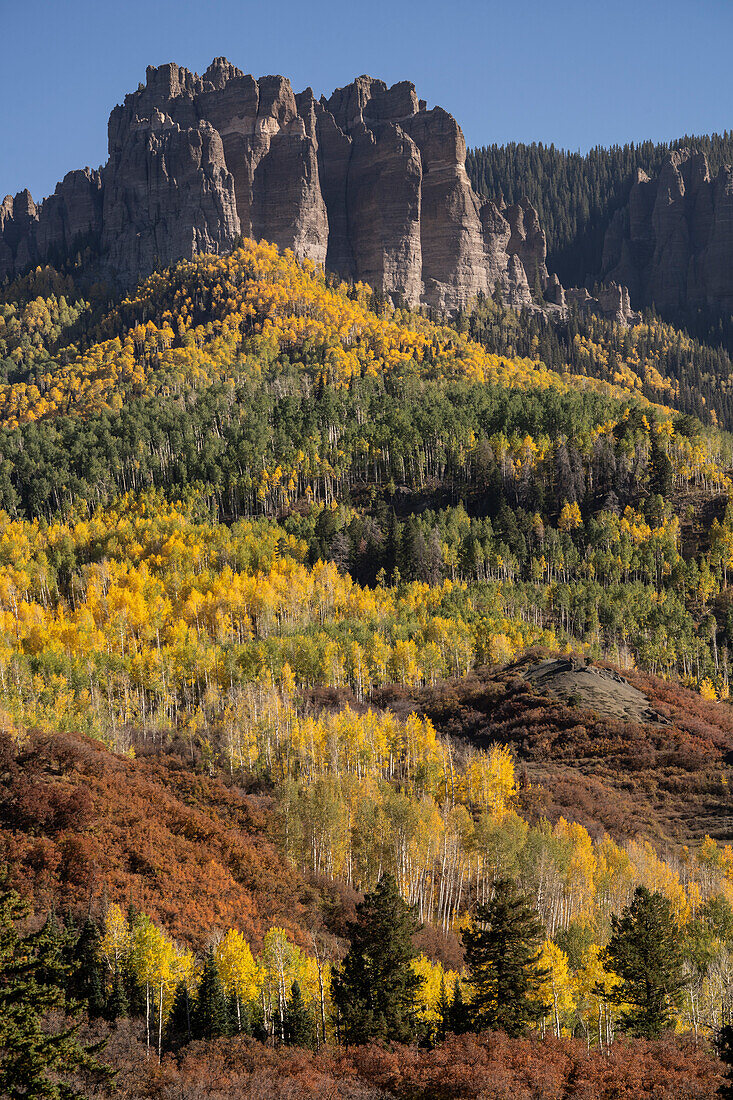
x=316 y=611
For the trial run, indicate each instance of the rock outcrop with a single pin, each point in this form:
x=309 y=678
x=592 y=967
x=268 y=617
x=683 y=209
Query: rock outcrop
x=66 y=222
x=672 y=244
x=368 y=183
x=612 y=302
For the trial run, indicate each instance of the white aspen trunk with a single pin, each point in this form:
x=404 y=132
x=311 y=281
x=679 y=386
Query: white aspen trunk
x=160 y=1026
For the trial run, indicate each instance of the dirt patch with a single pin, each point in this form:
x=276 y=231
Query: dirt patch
x=599 y=689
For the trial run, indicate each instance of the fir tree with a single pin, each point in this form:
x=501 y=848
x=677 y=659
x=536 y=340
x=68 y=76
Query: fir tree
x=376 y=986
x=35 y=1062
x=444 y=1006
x=502 y=956
x=209 y=1020
x=239 y=1015
x=645 y=951
x=87 y=981
x=117 y=1006
x=458 y=1020
x=661 y=471
x=299 y=1029
x=179 y=1026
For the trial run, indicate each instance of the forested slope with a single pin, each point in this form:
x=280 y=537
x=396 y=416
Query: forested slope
x=277 y=561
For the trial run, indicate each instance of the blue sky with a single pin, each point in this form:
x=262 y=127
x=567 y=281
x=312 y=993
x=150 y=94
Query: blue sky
x=573 y=73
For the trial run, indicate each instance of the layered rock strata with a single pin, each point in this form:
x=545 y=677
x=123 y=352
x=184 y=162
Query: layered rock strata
x=368 y=183
x=672 y=244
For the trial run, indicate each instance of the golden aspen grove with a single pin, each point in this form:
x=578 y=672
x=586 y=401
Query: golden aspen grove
x=278 y=562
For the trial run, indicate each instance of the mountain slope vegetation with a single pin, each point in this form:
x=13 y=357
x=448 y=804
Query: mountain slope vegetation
x=279 y=564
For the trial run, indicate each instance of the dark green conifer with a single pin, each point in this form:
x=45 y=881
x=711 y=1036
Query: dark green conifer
x=209 y=1018
x=502 y=956
x=645 y=951
x=179 y=1027
x=36 y=1062
x=458 y=1019
x=117 y=1006
x=443 y=1012
x=375 y=988
x=87 y=982
x=299 y=1024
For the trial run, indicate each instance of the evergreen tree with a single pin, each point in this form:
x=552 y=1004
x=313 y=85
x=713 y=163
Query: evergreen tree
x=645 y=951
x=458 y=1020
x=299 y=1029
x=239 y=1016
x=661 y=471
x=376 y=986
x=209 y=1018
x=87 y=981
x=179 y=1026
x=134 y=993
x=502 y=956
x=33 y=1061
x=117 y=1006
x=444 y=1007
x=58 y=940
x=724 y=1046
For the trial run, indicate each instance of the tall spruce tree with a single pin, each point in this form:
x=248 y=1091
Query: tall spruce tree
x=36 y=1061
x=444 y=1005
x=502 y=956
x=209 y=1019
x=645 y=951
x=299 y=1024
x=375 y=987
x=87 y=982
x=179 y=1029
x=117 y=1006
x=458 y=1018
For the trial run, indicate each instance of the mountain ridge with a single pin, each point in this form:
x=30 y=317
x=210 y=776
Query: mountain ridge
x=368 y=183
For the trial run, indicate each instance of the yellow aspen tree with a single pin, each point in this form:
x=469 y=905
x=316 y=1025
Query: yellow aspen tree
x=557 y=989
x=115 y=944
x=237 y=969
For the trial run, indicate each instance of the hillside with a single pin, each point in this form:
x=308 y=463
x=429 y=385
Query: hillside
x=299 y=589
x=626 y=754
x=83 y=827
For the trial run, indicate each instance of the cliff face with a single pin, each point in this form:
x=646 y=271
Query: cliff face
x=672 y=245
x=368 y=183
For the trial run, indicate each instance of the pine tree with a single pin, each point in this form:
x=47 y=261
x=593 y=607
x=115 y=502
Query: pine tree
x=33 y=1061
x=375 y=988
x=502 y=956
x=179 y=1025
x=299 y=1029
x=239 y=1016
x=444 y=1006
x=209 y=1018
x=661 y=471
x=645 y=951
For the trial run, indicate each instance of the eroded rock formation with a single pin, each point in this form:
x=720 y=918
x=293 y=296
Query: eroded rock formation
x=369 y=183
x=672 y=245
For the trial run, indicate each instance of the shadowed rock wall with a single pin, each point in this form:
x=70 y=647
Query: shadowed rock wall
x=368 y=183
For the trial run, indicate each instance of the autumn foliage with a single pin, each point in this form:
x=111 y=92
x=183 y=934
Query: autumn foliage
x=462 y=1068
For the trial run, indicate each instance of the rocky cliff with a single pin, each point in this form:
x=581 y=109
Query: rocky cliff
x=672 y=245
x=369 y=183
